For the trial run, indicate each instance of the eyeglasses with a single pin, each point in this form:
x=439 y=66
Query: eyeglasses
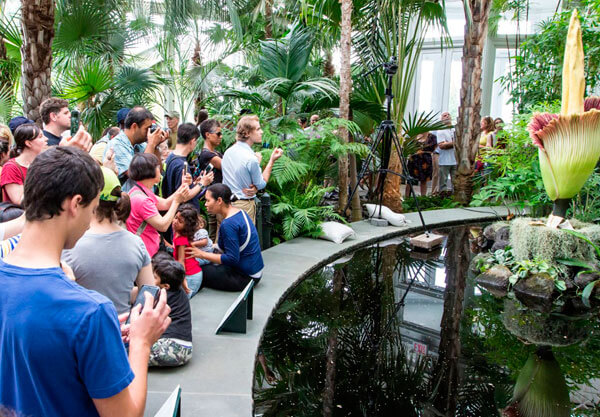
x=219 y=134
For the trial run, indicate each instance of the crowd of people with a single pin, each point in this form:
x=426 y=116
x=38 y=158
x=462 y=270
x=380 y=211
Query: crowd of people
x=435 y=160
x=103 y=221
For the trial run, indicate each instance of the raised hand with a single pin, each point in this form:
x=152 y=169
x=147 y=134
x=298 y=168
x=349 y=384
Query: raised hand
x=81 y=140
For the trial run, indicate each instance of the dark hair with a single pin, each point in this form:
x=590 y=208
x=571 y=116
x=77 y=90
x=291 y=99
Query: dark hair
x=111 y=131
x=9 y=211
x=137 y=115
x=114 y=210
x=3 y=146
x=168 y=270
x=25 y=132
x=51 y=105
x=143 y=166
x=303 y=119
x=209 y=126
x=189 y=215
x=202 y=116
x=186 y=133
x=220 y=191
x=56 y=174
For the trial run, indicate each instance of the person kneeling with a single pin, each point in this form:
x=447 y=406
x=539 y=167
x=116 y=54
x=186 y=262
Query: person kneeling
x=240 y=259
x=174 y=348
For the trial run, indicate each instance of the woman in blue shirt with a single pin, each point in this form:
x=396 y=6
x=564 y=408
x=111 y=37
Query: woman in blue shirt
x=239 y=259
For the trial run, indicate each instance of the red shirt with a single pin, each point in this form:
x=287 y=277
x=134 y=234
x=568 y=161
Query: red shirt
x=12 y=173
x=191 y=265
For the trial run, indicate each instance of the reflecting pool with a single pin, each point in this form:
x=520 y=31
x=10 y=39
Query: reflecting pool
x=388 y=331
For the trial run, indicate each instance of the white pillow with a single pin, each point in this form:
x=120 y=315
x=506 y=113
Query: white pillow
x=395 y=219
x=336 y=232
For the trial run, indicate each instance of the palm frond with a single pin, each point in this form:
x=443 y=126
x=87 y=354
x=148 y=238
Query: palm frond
x=85 y=82
x=287 y=57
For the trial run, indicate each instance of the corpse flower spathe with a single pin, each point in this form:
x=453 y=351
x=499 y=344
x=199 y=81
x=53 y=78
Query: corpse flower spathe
x=569 y=143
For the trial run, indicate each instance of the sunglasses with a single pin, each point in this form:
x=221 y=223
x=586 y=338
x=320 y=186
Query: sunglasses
x=219 y=134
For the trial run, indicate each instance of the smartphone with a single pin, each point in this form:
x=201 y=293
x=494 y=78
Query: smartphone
x=185 y=168
x=141 y=299
x=208 y=168
x=75 y=119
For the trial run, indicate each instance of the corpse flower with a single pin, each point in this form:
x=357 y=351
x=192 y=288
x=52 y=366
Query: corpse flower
x=568 y=143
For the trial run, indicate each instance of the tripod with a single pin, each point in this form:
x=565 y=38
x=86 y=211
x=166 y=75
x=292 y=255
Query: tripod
x=386 y=135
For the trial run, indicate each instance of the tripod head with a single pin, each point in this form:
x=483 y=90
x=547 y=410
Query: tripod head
x=391 y=67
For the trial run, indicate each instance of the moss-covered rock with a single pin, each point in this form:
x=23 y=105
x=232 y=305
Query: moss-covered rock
x=541 y=328
x=536 y=291
x=530 y=241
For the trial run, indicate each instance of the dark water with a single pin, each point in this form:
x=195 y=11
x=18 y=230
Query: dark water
x=392 y=332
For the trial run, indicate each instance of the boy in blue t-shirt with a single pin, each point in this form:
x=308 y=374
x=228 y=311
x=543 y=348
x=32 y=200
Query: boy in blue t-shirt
x=61 y=345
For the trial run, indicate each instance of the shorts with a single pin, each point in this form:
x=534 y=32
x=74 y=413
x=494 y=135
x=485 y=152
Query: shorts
x=170 y=352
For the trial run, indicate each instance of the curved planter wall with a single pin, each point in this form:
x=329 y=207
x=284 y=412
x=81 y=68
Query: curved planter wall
x=218 y=380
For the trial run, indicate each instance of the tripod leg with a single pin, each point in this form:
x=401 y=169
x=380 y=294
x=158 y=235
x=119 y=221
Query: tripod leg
x=364 y=168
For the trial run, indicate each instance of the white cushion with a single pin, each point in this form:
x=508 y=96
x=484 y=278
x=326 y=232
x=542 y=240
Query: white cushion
x=336 y=232
x=395 y=219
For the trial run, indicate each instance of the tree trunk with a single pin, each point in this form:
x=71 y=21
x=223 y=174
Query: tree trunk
x=37 y=25
x=467 y=124
x=332 y=345
x=392 y=196
x=445 y=374
x=345 y=89
x=268 y=19
x=197 y=62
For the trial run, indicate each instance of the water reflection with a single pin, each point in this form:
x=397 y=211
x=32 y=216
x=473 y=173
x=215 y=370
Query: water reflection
x=390 y=331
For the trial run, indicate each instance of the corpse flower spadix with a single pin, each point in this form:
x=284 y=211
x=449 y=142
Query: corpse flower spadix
x=569 y=143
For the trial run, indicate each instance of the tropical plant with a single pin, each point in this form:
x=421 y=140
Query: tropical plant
x=535 y=74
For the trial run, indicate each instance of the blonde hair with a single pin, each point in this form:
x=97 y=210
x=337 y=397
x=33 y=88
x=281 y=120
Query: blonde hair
x=6 y=134
x=245 y=126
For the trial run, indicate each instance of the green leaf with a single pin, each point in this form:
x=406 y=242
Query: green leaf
x=587 y=292
x=560 y=284
x=575 y=262
x=287 y=57
x=513 y=279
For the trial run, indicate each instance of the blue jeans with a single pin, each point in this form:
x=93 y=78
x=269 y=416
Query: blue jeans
x=194 y=283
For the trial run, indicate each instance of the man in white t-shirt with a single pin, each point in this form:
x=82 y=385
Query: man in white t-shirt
x=447 y=159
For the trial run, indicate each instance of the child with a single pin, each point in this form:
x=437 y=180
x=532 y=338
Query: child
x=174 y=348
x=185 y=225
x=201 y=240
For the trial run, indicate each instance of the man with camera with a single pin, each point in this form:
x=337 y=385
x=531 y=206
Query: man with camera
x=139 y=135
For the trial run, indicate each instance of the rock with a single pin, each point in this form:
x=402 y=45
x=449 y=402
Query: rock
x=501 y=239
x=536 y=291
x=581 y=280
x=476 y=259
x=544 y=329
x=495 y=280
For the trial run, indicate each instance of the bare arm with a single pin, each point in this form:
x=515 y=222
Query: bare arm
x=446 y=145
x=162 y=223
x=200 y=243
x=14 y=227
x=216 y=162
x=181 y=255
x=214 y=258
x=145 y=276
x=15 y=192
x=277 y=152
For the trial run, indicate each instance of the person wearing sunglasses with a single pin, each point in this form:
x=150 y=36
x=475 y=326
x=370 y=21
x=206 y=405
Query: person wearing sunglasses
x=212 y=135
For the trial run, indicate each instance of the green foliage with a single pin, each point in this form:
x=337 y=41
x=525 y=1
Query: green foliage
x=586 y=205
x=515 y=179
x=537 y=67
x=301 y=213
x=429 y=202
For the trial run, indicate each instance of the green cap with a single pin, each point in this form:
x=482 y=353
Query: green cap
x=111 y=181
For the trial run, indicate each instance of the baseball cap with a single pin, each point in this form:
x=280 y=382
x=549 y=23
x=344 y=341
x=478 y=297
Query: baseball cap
x=122 y=114
x=15 y=122
x=173 y=113
x=111 y=181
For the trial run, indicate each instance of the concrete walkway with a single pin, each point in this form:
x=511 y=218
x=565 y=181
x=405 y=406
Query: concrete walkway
x=218 y=380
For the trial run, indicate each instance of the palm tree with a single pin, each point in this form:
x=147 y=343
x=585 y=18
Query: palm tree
x=38 y=33
x=467 y=124
x=345 y=89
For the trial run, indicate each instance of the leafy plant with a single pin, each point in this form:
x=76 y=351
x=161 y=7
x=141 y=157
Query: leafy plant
x=301 y=212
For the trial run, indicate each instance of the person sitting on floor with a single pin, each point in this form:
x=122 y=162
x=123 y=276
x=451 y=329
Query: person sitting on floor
x=174 y=348
x=202 y=239
x=240 y=259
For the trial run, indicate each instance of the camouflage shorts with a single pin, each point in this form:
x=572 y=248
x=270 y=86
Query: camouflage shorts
x=168 y=352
